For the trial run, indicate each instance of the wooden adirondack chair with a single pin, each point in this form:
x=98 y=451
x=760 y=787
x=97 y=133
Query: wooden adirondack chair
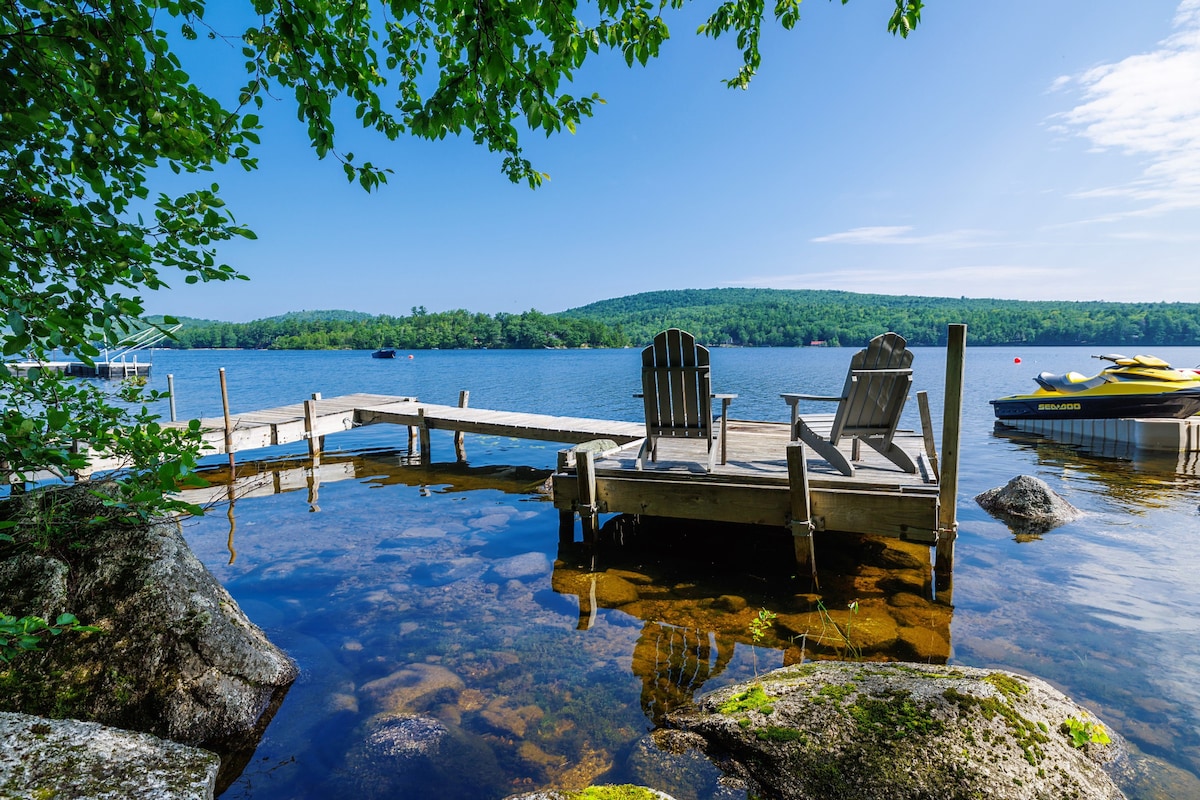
x=869 y=406
x=677 y=393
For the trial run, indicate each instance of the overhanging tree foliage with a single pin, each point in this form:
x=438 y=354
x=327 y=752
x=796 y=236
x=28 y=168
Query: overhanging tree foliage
x=96 y=104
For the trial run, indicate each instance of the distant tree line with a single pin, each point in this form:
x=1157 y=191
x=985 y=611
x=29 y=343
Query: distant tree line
x=783 y=318
x=738 y=317
x=419 y=331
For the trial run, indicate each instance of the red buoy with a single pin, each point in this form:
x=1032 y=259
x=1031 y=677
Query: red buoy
x=1016 y=360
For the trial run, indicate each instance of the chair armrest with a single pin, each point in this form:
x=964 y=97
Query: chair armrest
x=724 y=397
x=792 y=399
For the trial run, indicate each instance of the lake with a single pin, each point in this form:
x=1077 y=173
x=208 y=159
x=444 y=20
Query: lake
x=446 y=593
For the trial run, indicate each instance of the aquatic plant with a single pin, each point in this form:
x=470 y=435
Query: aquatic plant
x=853 y=653
x=758 y=630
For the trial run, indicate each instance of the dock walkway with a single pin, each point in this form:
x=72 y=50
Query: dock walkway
x=321 y=417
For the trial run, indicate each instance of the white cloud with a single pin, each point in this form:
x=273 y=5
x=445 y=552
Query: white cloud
x=1148 y=106
x=901 y=234
x=994 y=280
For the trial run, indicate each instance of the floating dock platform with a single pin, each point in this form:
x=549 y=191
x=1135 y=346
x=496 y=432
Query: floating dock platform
x=1155 y=435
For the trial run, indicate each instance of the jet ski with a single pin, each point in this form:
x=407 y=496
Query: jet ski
x=1137 y=387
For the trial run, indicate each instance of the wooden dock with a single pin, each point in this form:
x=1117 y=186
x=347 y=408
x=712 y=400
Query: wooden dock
x=767 y=480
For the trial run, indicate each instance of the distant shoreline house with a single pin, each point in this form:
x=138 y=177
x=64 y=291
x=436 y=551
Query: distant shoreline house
x=818 y=343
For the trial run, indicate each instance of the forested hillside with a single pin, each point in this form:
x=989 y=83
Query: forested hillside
x=783 y=318
x=740 y=317
x=337 y=330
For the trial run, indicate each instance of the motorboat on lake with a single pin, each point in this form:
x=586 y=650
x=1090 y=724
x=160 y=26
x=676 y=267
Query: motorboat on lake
x=384 y=352
x=1137 y=387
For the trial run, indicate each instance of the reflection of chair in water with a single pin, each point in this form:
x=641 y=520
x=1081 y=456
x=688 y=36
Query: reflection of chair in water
x=869 y=406
x=674 y=663
x=677 y=393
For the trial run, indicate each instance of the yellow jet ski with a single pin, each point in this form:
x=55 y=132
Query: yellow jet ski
x=1137 y=387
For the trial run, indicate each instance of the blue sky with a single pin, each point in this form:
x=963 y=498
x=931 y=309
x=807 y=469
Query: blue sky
x=1028 y=150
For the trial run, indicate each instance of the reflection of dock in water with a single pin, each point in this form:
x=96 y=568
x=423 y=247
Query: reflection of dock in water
x=696 y=608
x=1110 y=458
x=384 y=468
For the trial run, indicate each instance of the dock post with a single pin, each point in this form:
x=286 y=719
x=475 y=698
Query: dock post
x=310 y=428
x=801 y=521
x=956 y=346
x=171 y=393
x=228 y=424
x=566 y=518
x=423 y=430
x=927 y=433
x=585 y=468
x=460 y=450
x=316 y=397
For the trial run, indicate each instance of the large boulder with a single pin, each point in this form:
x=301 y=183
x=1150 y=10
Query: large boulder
x=67 y=759
x=175 y=657
x=830 y=730
x=1027 y=505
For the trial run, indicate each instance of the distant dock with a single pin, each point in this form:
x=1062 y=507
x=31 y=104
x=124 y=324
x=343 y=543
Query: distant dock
x=120 y=369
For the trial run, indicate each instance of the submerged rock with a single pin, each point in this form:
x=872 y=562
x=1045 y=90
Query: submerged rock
x=1027 y=505
x=829 y=730
x=622 y=792
x=67 y=759
x=402 y=755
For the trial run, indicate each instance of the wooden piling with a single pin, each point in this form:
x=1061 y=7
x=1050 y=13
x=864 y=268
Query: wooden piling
x=460 y=450
x=801 y=517
x=566 y=517
x=228 y=423
x=423 y=431
x=310 y=428
x=956 y=346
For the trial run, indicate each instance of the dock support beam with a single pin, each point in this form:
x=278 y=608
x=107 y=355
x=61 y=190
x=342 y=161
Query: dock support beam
x=956 y=347
x=801 y=522
x=171 y=393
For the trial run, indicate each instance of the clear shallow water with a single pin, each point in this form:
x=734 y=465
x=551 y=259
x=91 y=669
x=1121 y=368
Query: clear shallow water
x=416 y=593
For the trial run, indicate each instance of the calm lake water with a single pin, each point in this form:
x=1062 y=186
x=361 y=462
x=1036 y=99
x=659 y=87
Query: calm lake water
x=446 y=593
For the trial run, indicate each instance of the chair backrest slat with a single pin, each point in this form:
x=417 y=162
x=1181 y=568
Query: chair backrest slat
x=876 y=389
x=676 y=385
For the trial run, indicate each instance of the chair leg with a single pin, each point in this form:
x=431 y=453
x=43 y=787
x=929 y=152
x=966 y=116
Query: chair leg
x=826 y=450
x=647 y=446
x=894 y=454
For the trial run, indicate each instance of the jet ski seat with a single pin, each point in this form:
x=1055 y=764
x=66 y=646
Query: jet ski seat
x=1070 y=382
